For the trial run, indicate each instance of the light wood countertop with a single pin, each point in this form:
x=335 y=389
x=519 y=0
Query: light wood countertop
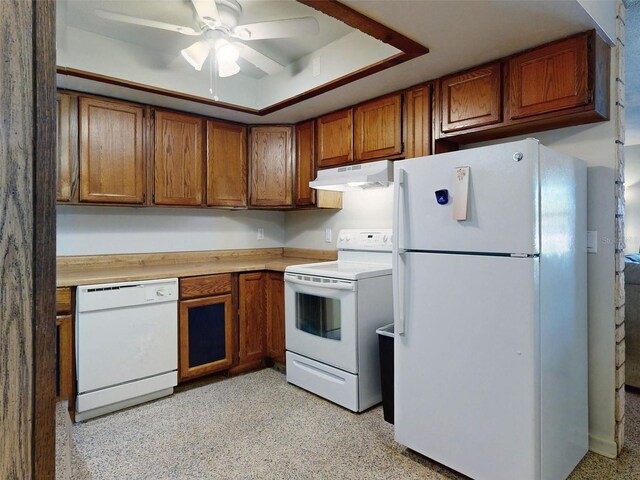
x=88 y=270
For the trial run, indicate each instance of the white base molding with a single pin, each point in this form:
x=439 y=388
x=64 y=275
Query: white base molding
x=605 y=447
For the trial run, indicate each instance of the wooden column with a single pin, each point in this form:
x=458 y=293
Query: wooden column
x=27 y=239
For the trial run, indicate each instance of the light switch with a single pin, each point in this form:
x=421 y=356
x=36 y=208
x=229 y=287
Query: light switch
x=460 y=192
x=592 y=241
x=327 y=235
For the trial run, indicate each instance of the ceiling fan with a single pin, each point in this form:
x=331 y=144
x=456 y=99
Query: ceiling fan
x=223 y=36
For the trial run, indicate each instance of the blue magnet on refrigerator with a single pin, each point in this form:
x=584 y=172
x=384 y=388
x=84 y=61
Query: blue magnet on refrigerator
x=442 y=196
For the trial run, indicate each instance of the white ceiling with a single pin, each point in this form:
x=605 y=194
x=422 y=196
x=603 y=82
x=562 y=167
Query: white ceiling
x=459 y=34
x=80 y=14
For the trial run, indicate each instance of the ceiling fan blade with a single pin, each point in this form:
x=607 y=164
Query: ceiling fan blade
x=258 y=59
x=207 y=10
x=292 y=27
x=145 y=22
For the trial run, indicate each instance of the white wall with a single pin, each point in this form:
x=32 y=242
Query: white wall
x=632 y=199
x=600 y=11
x=84 y=230
x=361 y=209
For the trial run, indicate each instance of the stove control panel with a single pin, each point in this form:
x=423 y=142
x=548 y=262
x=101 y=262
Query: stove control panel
x=357 y=239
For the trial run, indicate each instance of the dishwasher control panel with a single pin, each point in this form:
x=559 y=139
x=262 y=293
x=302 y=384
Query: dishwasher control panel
x=155 y=293
x=116 y=295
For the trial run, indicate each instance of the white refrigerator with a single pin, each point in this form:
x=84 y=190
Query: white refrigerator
x=489 y=275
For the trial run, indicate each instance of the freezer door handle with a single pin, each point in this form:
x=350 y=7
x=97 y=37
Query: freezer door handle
x=399 y=210
x=399 y=282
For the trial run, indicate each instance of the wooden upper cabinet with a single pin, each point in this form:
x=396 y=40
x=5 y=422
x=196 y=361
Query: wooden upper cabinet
x=226 y=164
x=305 y=163
x=335 y=138
x=471 y=99
x=550 y=78
x=271 y=166
x=418 y=121
x=377 y=129
x=179 y=146
x=111 y=151
x=67 y=148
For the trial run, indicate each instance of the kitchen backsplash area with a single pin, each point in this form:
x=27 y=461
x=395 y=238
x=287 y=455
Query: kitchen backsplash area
x=84 y=230
x=361 y=209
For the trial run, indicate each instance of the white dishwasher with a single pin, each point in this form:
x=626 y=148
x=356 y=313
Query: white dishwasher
x=126 y=344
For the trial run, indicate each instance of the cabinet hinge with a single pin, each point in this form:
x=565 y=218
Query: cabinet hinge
x=144 y=198
x=589 y=96
x=153 y=198
x=590 y=42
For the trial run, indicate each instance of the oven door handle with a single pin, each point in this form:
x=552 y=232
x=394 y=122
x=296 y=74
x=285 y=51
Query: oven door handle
x=339 y=285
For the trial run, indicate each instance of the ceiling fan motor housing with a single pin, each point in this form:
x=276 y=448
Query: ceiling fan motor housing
x=229 y=12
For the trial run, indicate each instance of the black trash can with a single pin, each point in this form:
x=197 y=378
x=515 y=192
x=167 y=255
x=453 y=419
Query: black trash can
x=385 y=342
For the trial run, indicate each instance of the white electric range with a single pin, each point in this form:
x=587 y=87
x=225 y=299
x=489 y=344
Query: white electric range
x=332 y=311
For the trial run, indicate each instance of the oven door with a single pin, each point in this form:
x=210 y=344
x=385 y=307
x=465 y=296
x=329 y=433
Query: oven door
x=320 y=317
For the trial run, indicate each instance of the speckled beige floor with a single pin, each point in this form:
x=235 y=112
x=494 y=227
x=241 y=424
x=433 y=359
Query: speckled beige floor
x=257 y=426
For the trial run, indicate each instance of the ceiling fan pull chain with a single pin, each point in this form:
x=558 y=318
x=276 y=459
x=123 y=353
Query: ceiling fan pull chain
x=213 y=78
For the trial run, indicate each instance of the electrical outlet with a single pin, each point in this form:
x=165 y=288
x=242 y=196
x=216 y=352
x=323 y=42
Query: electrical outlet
x=327 y=235
x=261 y=234
x=592 y=241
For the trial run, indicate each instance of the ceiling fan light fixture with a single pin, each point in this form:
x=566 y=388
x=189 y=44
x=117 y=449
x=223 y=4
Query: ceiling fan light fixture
x=227 y=69
x=226 y=53
x=196 y=54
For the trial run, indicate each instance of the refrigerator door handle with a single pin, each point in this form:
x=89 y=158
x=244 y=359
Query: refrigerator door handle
x=399 y=282
x=398 y=248
x=399 y=210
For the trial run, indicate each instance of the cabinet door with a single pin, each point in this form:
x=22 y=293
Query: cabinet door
x=271 y=166
x=471 y=99
x=378 y=128
x=67 y=148
x=205 y=336
x=275 y=316
x=418 y=123
x=252 y=317
x=64 y=358
x=111 y=151
x=335 y=138
x=305 y=163
x=549 y=78
x=179 y=145
x=226 y=164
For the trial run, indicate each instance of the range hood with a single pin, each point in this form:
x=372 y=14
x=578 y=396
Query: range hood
x=354 y=177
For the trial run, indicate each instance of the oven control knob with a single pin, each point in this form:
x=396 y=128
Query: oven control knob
x=348 y=237
x=385 y=237
x=341 y=238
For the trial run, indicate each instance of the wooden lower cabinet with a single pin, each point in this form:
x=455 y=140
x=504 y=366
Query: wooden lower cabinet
x=251 y=328
x=275 y=317
x=65 y=358
x=205 y=336
x=65 y=381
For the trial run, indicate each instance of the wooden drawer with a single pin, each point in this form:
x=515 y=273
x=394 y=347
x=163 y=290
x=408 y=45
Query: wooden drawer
x=205 y=286
x=63 y=300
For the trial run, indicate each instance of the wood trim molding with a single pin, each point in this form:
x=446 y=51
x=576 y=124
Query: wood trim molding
x=44 y=237
x=409 y=50
x=361 y=22
x=27 y=240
